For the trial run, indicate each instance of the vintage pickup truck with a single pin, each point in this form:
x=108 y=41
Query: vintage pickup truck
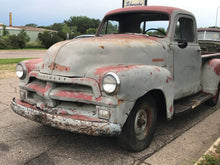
x=144 y=62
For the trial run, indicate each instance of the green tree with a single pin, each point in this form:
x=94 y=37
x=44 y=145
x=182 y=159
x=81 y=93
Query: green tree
x=4 y=42
x=22 y=39
x=31 y=25
x=61 y=28
x=49 y=38
x=14 y=41
x=214 y=27
x=82 y=23
x=74 y=32
x=158 y=33
x=91 y=31
x=5 y=31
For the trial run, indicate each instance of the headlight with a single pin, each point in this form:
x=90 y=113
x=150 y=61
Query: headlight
x=20 y=71
x=110 y=83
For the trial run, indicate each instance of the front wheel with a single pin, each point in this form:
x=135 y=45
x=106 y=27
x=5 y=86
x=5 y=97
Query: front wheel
x=139 y=128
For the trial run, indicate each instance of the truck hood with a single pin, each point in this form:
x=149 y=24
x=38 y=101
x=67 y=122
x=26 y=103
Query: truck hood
x=74 y=58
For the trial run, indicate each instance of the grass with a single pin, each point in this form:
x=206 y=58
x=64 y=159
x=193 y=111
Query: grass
x=213 y=158
x=8 y=61
x=209 y=160
x=7 y=67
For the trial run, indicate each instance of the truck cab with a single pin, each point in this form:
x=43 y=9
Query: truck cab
x=142 y=63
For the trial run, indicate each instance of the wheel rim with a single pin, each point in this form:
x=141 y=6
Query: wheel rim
x=142 y=124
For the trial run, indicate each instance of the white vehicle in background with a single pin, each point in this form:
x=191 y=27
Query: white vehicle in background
x=209 y=40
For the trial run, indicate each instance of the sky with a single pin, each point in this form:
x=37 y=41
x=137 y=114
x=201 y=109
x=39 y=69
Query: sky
x=47 y=12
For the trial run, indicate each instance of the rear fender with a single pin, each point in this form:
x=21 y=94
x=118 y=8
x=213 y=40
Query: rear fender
x=210 y=76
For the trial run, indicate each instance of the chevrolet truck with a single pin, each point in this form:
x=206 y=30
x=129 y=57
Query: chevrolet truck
x=144 y=62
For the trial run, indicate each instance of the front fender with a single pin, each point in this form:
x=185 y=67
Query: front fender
x=138 y=80
x=30 y=65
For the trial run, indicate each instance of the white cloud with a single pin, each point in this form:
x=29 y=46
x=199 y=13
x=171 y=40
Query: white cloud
x=46 y=12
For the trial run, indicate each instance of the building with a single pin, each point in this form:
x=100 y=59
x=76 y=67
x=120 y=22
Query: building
x=32 y=32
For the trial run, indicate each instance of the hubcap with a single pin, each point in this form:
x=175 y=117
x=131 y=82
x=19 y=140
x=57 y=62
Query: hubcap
x=140 y=125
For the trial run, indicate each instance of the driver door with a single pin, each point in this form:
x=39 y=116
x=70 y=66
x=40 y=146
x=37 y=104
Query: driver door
x=186 y=57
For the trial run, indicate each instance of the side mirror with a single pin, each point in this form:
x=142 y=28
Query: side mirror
x=182 y=44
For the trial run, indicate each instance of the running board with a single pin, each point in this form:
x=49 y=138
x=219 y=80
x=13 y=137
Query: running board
x=190 y=102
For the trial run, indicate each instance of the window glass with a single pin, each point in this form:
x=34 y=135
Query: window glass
x=151 y=24
x=208 y=35
x=110 y=27
x=185 y=30
x=155 y=28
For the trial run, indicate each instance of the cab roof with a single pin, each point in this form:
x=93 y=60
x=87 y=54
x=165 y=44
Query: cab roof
x=164 y=9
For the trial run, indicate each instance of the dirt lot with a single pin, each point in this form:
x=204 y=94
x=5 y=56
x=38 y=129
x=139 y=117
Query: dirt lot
x=22 y=53
x=25 y=142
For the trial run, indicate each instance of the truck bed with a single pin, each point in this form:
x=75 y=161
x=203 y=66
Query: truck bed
x=215 y=55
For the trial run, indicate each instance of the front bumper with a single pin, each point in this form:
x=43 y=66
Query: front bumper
x=73 y=123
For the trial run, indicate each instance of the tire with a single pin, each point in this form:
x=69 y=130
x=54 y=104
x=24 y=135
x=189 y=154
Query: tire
x=139 y=128
x=214 y=100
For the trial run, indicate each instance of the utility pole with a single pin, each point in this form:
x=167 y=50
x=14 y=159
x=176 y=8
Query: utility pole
x=216 y=17
x=10 y=19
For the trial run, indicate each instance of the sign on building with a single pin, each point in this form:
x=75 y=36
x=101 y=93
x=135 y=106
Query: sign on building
x=130 y=3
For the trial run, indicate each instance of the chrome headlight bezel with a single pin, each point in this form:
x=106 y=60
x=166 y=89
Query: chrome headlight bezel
x=111 y=83
x=21 y=71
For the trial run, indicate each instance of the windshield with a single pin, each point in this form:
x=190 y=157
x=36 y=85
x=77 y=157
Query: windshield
x=151 y=24
x=207 y=35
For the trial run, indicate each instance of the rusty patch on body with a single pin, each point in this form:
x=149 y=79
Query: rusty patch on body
x=101 y=46
x=74 y=123
x=54 y=66
x=115 y=69
x=158 y=60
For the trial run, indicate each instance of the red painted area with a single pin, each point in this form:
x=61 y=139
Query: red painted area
x=33 y=74
x=78 y=95
x=76 y=117
x=171 y=109
x=63 y=112
x=157 y=69
x=158 y=60
x=164 y=9
x=208 y=29
x=115 y=69
x=169 y=79
x=32 y=64
x=215 y=64
x=39 y=88
x=25 y=104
